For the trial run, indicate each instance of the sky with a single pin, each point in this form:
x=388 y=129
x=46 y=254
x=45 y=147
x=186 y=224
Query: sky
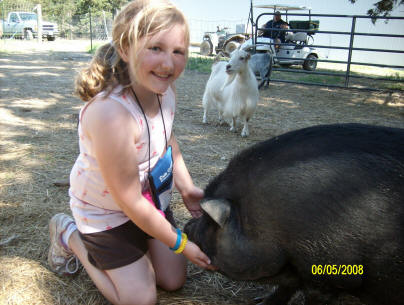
x=205 y=15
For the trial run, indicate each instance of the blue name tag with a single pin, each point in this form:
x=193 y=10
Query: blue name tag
x=161 y=180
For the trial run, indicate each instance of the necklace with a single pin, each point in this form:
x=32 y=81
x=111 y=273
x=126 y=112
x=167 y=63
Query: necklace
x=147 y=124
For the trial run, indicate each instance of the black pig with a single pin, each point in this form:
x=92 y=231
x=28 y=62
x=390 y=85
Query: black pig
x=329 y=196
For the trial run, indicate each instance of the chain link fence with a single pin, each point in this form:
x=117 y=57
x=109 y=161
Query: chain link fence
x=95 y=26
x=90 y=26
x=98 y=25
x=5 y=9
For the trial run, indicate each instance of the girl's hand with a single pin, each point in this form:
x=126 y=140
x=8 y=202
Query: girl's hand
x=196 y=256
x=191 y=199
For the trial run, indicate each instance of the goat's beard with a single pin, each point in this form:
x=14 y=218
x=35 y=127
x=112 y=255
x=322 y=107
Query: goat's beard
x=230 y=78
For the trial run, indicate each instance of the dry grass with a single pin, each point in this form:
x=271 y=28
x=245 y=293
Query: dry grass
x=38 y=146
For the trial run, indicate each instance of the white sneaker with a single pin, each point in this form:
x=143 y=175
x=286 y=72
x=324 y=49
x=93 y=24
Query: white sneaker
x=60 y=258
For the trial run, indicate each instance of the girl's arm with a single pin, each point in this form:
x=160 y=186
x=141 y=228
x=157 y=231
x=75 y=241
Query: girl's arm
x=183 y=181
x=113 y=131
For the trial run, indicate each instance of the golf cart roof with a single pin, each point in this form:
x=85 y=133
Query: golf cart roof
x=283 y=7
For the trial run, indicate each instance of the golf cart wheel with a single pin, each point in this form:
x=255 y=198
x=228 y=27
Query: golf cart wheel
x=310 y=64
x=231 y=46
x=206 y=48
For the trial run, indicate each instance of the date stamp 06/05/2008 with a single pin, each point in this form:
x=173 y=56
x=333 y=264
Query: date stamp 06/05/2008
x=337 y=269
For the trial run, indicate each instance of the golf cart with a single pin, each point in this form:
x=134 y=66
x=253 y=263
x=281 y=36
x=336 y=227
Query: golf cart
x=296 y=49
x=221 y=40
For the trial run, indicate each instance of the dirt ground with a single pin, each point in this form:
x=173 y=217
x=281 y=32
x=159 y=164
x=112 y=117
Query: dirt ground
x=38 y=146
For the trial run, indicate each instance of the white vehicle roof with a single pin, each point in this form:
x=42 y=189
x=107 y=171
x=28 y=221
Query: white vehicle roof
x=283 y=7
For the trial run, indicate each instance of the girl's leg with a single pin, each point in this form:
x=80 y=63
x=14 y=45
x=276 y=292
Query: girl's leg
x=131 y=284
x=170 y=268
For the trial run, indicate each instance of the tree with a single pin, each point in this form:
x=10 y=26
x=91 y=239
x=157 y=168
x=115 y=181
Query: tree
x=382 y=8
x=60 y=12
x=99 y=5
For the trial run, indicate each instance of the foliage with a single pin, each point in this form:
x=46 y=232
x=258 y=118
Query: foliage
x=72 y=16
x=382 y=8
x=61 y=10
x=16 y=2
x=99 y=5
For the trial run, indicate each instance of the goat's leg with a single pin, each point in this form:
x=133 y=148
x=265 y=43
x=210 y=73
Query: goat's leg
x=263 y=79
x=205 y=112
x=245 y=132
x=206 y=100
x=261 y=83
x=233 y=124
x=221 y=121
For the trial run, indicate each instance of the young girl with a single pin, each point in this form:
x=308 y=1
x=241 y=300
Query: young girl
x=123 y=230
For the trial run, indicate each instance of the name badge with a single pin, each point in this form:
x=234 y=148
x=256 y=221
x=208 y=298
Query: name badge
x=161 y=180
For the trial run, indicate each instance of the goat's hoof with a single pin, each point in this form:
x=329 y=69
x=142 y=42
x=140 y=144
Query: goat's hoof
x=244 y=134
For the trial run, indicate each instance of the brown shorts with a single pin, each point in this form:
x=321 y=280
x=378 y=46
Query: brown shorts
x=119 y=246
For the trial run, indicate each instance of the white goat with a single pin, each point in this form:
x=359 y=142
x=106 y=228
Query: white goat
x=232 y=86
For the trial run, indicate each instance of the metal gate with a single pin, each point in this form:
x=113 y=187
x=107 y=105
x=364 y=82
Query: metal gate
x=347 y=76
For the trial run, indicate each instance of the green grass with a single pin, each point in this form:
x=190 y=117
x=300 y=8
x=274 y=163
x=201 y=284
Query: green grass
x=340 y=80
x=96 y=45
x=200 y=64
x=396 y=86
x=323 y=79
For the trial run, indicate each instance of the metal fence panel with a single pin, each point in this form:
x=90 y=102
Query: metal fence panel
x=349 y=48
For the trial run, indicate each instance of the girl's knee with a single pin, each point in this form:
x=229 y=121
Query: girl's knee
x=172 y=283
x=143 y=298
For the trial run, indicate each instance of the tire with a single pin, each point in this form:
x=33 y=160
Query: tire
x=51 y=38
x=310 y=64
x=231 y=46
x=206 y=48
x=28 y=35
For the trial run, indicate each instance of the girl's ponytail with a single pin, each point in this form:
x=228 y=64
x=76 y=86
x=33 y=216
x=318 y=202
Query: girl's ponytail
x=106 y=70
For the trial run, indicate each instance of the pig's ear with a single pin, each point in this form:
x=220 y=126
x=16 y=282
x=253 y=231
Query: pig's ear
x=218 y=209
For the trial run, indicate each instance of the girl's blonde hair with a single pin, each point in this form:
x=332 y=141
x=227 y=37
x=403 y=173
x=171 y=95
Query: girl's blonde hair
x=138 y=19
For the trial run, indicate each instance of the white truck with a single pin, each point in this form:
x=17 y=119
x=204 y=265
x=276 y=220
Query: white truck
x=25 y=25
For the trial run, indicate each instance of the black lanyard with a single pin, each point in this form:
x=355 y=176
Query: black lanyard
x=147 y=124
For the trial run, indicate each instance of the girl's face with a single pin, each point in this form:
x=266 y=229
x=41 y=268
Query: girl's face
x=161 y=59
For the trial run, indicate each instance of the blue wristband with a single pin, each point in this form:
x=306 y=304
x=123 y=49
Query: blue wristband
x=178 y=242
